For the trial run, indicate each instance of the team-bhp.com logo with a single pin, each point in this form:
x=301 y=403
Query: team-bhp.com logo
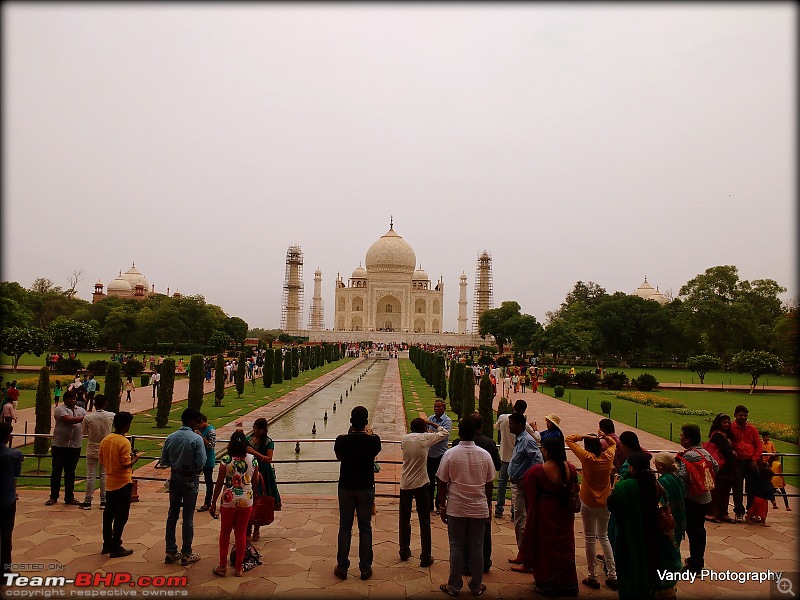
x=97 y=581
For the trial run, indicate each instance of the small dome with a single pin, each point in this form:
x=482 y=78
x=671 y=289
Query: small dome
x=648 y=292
x=119 y=285
x=359 y=273
x=133 y=276
x=391 y=253
x=420 y=274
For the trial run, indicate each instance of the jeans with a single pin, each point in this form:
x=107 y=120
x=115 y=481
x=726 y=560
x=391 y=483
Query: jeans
x=696 y=532
x=720 y=495
x=781 y=492
x=183 y=490
x=466 y=538
x=358 y=502
x=7 y=514
x=233 y=519
x=744 y=475
x=208 y=474
x=92 y=465
x=595 y=527
x=433 y=466
x=64 y=459
x=502 y=483
x=487 y=549
x=422 y=497
x=115 y=516
x=520 y=514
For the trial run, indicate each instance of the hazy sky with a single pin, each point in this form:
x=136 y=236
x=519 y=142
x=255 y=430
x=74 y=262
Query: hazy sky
x=596 y=142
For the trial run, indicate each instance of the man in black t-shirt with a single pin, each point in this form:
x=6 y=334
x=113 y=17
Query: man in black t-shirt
x=356 y=451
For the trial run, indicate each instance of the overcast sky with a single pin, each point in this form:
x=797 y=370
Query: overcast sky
x=585 y=142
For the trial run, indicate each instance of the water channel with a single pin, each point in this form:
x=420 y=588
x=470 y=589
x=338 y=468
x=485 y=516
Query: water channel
x=345 y=393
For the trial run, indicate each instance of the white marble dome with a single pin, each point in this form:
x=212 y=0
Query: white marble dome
x=420 y=275
x=134 y=277
x=120 y=285
x=391 y=253
x=648 y=292
x=359 y=273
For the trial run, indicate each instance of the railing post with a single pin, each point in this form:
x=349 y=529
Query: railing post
x=670 y=432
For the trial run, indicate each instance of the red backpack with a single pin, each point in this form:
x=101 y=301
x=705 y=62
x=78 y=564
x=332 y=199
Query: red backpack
x=714 y=450
x=701 y=475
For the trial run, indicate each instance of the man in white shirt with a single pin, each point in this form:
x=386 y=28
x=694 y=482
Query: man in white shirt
x=465 y=476
x=414 y=484
x=506 y=450
x=96 y=426
x=155 y=381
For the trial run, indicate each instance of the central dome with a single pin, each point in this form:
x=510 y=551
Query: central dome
x=391 y=253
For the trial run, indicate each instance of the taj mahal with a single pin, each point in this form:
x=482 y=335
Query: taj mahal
x=390 y=299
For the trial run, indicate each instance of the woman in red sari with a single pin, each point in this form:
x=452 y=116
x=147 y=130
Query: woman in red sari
x=548 y=544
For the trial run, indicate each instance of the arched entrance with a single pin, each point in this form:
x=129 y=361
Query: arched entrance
x=388 y=314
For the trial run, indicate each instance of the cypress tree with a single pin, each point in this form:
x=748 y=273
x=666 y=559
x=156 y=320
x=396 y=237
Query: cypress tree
x=485 y=406
x=304 y=358
x=468 y=403
x=457 y=388
x=219 y=381
x=43 y=416
x=312 y=357
x=196 y=377
x=165 y=390
x=287 y=365
x=268 y=369
x=295 y=362
x=241 y=366
x=336 y=354
x=453 y=364
x=429 y=368
x=440 y=381
x=113 y=386
x=277 y=373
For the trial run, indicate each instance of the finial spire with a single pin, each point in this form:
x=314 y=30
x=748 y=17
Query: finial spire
x=391 y=222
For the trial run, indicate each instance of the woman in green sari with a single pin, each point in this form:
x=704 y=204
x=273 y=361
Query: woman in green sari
x=262 y=447
x=634 y=503
x=669 y=545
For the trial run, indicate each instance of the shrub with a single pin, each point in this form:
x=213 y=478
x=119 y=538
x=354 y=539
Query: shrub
x=219 y=380
x=165 y=390
x=287 y=365
x=277 y=367
x=268 y=369
x=68 y=366
x=132 y=367
x=113 y=386
x=485 y=406
x=468 y=393
x=504 y=407
x=439 y=381
x=239 y=378
x=558 y=391
x=97 y=366
x=296 y=362
x=43 y=416
x=615 y=380
x=645 y=382
x=457 y=372
x=605 y=407
x=503 y=361
x=196 y=377
x=586 y=380
x=485 y=360
x=692 y=411
x=556 y=378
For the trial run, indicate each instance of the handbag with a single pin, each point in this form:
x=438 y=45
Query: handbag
x=263 y=510
x=665 y=519
x=574 y=495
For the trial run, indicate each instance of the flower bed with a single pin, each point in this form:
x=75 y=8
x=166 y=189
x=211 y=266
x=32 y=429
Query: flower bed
x=646 y=399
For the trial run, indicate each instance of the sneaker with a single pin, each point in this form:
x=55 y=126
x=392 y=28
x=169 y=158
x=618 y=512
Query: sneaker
x=86 y=505
x=102 y=503
x=613 y=584
x=738 y=519
x=120 y=552
x=172 y=557
x=188 y=559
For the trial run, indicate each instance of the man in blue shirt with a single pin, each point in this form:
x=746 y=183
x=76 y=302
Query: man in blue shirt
x=91 y=389
x=10 y=469
x=526 y=454
x=435 y=453
x=185 y=452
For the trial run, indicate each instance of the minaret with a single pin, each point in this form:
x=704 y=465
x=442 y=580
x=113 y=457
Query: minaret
x=292 y=309
x=483 y=287
x=316 y=318
x=462 y=304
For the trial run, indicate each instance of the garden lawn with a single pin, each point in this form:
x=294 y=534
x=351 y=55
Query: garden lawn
x=716 y=378
x=764 y=408
x=31 y=360
x=254 y=396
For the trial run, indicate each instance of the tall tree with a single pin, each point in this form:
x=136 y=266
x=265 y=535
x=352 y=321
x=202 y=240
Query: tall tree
x=295 y=362
x=219 y=380
x=277 y=375
x=485 y=399
x=113 y=386
x=165 y=392
x=287 y=365
x=196 y=377
x=16 y=341
x=756 y=363
x=241 y=365
x=43 y=415
x=72 y=335
x=495 y=322
x=457 y=388
x=268 y=368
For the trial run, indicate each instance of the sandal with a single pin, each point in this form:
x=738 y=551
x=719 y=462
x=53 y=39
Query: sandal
x=221 y=571
x=447 y=591
x=522 y=569
x=203 y=508
x=712 y=519
x=239 y=572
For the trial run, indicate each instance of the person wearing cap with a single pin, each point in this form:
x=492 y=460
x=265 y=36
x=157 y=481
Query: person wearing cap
x=553 y=428
x=356 y=450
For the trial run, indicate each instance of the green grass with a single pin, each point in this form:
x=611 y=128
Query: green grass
x=716 y=378
x=144 y=422
x=31 y=360
x=764 y=408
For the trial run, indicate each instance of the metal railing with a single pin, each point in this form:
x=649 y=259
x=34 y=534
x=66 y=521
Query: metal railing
x=297 y=441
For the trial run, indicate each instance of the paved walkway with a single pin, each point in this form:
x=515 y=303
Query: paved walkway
x=299 y=547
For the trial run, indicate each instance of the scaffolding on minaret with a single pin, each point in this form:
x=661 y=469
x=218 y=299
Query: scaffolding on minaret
x=484 y=295
x=316 y=316
x=293 y=288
